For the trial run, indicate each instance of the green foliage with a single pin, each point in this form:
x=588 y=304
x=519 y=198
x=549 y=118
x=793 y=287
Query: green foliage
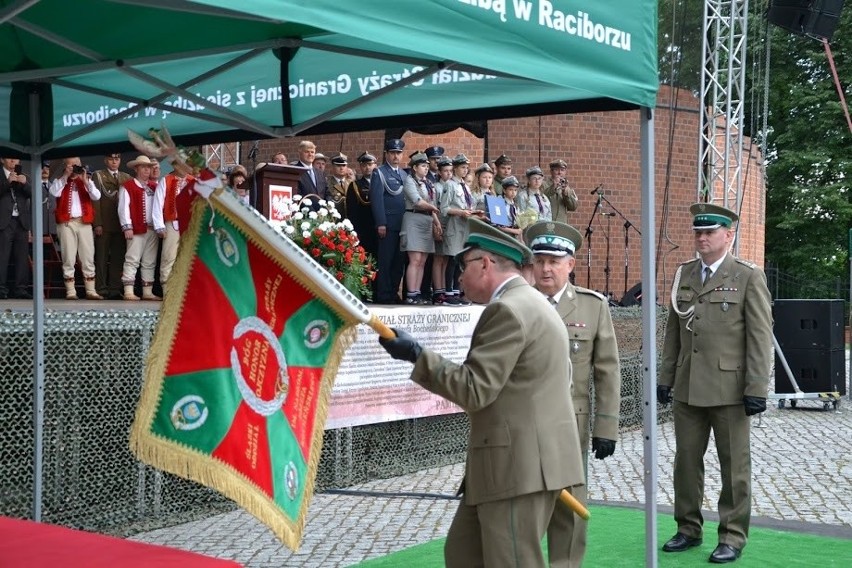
x=809 y=171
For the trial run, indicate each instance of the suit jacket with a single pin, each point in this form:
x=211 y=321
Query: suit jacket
x=515 y=385
x=387 y=207
x=10 y=193
x=306 y=185
x=594 y=354
x=727 y=352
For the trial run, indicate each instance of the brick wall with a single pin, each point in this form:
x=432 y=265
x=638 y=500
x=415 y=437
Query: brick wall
x=600 y=148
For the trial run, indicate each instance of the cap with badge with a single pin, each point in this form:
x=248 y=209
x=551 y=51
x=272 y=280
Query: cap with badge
x=434 y=152
x=510 y=181
x=534 y=171
x=366 y=158
x=394 y=145
x=417 y=158
x=444 y=161
x=553 y=238
x=558 y=164
x=707 y=217
x=483 y=168
x=502 y=160
x=460 y=159
x=339 y=159
x=483 y=236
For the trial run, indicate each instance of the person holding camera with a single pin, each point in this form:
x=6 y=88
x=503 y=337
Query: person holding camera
x=562 y=198
x=75 y=192
x=14 y=228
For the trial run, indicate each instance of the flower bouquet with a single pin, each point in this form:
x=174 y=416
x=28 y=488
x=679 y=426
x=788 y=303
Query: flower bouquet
x=331 y=241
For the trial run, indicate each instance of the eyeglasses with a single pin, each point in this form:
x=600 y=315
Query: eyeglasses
x=463 y=263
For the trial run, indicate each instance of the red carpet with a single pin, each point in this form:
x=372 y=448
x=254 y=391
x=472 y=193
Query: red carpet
x=25 y=544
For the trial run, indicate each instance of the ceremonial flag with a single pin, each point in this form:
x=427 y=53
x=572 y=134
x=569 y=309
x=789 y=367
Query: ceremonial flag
x=241 y=368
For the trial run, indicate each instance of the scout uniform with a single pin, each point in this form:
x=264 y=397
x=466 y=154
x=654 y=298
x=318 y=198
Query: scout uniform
x=716 y=360
x=594 y=359
x=502 y=160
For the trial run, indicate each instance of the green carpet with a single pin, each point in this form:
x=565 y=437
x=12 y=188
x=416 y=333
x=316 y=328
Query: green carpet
x=617 y=538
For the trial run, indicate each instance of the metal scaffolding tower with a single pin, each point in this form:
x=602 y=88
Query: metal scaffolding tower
x=724 y=28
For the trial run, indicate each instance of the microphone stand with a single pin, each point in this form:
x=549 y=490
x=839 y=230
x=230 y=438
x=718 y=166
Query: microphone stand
x=607 y=268
x=588 y=237
x=253 y=157
x=627 y=226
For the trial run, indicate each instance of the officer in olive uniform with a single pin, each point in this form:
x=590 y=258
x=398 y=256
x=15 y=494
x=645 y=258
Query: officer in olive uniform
x=358 y=209
x=388 y=205
x=503 y=165
x=715 y=364
x=338 y=184
x=562 y=198
x=594 y=356
x=110 y=244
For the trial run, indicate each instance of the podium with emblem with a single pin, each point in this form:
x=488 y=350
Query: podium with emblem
x=276 y=183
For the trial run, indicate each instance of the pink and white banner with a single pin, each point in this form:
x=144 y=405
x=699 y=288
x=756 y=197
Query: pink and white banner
x=371 y=387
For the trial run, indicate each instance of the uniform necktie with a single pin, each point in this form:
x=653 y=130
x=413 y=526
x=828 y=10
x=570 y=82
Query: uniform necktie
x=467 y=198
x=115 y=175
x=512 y=214
x=706 y=274
x=538 y=200
x=552 y=301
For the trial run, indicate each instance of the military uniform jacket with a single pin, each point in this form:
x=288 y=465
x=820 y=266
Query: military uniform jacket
x=723 y=350
x=560 y=204
x=106 y=208
x=594 y=354
x=515 y=386
x=386 y=196
x=337 y=193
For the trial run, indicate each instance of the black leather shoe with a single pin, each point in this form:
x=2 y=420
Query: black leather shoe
x=724 y=553
x=681 y=542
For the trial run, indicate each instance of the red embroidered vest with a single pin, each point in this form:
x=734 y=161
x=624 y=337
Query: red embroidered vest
x=183 y=204
x=170 y=211
x=63 y=208
x=137 y=206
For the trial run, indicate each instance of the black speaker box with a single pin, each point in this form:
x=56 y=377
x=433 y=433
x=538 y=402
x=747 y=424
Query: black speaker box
x=815 y=370
x=809 y=324
x=816 y=18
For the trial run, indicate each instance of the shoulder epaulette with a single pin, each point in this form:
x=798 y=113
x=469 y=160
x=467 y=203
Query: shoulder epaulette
x=746 y=263
x=598 y=295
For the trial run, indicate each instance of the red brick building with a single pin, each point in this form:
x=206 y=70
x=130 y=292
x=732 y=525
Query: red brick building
x=601 y=149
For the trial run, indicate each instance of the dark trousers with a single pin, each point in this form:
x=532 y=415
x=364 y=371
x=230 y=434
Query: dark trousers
x=391 y=263
x=14 y=245
x=110 y=248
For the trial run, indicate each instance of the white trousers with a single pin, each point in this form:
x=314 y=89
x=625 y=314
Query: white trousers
x=141 y=250
x=169 y=252
x=76 y=239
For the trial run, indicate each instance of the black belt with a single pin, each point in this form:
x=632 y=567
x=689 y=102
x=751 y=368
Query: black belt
x=421 y=212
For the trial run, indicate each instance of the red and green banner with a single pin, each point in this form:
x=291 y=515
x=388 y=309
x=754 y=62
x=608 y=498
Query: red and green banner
x=240 y=372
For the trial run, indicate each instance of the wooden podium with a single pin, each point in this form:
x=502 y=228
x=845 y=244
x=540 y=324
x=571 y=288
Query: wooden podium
x=275 y=183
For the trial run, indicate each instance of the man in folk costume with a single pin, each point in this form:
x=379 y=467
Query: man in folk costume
x=75 y=193
x=165 y=218
x=135 y=205
x=110 y=246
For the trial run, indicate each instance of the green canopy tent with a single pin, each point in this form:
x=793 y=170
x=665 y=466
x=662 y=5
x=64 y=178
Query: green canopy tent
x=76 y=76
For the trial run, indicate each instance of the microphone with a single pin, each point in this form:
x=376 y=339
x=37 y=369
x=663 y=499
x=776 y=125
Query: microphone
x=253 y=152
x=594 y=191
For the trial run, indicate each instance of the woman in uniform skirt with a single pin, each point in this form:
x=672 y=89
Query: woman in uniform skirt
x=420 y=224
x=457 y=205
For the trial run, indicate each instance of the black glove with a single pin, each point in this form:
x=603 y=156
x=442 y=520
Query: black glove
x=664 y=394
x=403 y=347
x=603 y=448
x=754 y=405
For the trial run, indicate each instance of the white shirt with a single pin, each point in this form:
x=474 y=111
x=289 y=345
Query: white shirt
x=159 y=202
x=558 y=296
x=713 y=267
x=58 y=186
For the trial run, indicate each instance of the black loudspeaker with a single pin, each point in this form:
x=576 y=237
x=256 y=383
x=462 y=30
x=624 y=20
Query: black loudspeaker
x=815 y=370
x=809 y=324
x=817 y=18
x=633 y=297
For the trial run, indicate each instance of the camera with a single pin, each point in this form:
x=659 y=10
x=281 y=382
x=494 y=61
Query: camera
x=19 y=170
x=79 y=170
